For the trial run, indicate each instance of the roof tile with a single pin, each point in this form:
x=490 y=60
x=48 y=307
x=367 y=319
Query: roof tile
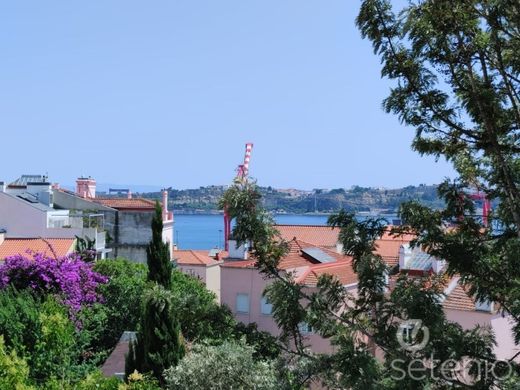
x=126 y=204
x=20 y=246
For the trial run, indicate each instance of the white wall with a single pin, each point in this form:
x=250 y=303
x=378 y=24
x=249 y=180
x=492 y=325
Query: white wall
x=21 y=219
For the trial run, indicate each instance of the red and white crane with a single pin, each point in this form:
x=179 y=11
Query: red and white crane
x=242 y=175
x=486 y=205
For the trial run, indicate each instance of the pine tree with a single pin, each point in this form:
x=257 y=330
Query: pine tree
x=159 y=344
x=158 y=254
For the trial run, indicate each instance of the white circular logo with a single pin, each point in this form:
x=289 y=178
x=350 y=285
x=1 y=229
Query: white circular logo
x=408 y=332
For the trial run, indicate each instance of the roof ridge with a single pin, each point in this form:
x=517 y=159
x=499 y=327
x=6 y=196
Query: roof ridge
x=306 y=225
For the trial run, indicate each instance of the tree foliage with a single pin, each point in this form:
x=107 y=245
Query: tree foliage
x=158 y=253
x=159 y=343
x=229 y=365
x=457 y=75
x=69 y=278
x=457 y=70
x=197 y=310
x=122 y=296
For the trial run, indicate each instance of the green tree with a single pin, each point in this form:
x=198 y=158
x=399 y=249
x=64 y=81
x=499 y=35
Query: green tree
x=458 y=76
x=159 y=343
x=158 y=253
x=122 y=297
x=227 y=366
x=197 y=310
x=14 y=370
x=54 y=353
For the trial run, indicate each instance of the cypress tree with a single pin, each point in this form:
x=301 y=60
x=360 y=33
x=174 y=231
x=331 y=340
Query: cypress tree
x=158 y=253
x=159 y=344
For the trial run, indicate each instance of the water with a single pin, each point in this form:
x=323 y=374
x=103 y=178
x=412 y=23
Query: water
x=207 y=231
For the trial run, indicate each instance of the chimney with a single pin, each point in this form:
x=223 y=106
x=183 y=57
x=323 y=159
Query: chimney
x=238 y=252
x=405 y=252
x=2 y=236
x=129 y=195
x=165 y=205
x=86 y=187
x=2 y=186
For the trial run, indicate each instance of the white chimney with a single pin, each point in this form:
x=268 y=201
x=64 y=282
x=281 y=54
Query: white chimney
x=165 y=205
x=438 y=265
x=2 y=186
x=240 y=252
x=405 y=252
x=2 y=236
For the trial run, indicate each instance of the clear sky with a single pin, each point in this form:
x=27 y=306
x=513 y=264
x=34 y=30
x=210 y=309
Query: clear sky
x=167 y=93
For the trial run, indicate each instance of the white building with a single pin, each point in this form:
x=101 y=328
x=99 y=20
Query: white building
x=27 y=211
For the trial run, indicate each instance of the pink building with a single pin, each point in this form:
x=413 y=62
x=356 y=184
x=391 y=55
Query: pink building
x=458 y=304
x=242 y=285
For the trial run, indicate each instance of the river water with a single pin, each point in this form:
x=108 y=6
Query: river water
x=206 y=231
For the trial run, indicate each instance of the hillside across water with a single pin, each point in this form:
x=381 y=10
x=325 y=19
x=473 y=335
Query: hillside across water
x=294 y=201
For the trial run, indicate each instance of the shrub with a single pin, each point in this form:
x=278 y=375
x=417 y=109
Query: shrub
x=122 y=296
x=227 y=366
x=68 y=277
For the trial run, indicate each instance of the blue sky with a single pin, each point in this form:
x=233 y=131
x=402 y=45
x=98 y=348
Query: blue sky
x=167 y=93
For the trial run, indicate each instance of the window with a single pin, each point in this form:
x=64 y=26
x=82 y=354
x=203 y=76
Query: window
x=484 y=305
x=265 y=306
x=304 y=328
x=242 y=303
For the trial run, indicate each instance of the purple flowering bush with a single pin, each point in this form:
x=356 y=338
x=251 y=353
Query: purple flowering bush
x=68 y=277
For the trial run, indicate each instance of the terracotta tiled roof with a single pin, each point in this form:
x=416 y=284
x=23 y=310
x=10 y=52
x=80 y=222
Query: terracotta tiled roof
x=459 y=299
x=194 y=257
x=295 y=257
x=239 y=264
x=319 y=235
x=341 y=270
x=388 y=246
x=327 y=237
x=15 y=246
x=126 y=204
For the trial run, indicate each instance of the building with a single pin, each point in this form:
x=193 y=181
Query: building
x=242 y=284
x=204 y=265
x=127 y=220
x=459 y=305
x=28 y=210
x=387 y=246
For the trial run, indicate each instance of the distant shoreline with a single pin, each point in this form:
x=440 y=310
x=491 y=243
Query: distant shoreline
x=318 y=214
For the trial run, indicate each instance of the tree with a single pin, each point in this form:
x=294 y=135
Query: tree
x=14 y=371
x=197 y=310
x=227 y=366
x=159 y=343
x=122 y=296
x=158 y=253
x=457 y=75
